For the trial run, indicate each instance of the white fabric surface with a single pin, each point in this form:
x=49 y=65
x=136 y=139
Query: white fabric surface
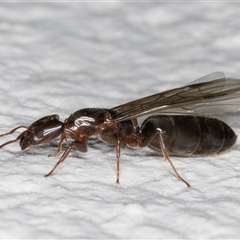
x=60 y=57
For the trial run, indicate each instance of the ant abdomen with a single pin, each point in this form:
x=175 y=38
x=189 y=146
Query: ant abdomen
x=188 y=135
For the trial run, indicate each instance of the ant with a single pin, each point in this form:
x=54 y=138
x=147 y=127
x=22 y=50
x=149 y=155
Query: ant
x=172 y=128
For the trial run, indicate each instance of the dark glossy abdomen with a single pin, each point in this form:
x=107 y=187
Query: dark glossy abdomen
x=190 y=135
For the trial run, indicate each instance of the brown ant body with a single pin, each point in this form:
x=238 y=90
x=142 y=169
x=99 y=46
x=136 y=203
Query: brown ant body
x=173 y=127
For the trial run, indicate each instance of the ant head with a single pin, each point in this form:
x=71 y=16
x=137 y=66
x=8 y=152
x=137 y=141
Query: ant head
x=42 y=131
x=38 y=133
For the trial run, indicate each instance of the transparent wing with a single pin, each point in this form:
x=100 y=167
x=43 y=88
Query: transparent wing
x=208 y=78
x=202 y=96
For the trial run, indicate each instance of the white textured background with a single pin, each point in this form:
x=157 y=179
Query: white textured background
x=60 y=57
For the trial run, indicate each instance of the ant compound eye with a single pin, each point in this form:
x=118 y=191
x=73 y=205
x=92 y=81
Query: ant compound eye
x=40 y=134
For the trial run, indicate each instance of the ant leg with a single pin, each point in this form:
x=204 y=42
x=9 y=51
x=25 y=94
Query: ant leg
x=12 y=131
x=118 y=148
x=63 y=157
x=63 y=137
x=166 y=156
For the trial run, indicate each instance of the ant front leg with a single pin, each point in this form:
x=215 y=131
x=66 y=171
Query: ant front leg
x=63 y=137
x=81 y=146
x=63 y=157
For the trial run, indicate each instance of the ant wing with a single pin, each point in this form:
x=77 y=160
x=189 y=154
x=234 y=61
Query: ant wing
x=214 y=96
x=208 y=78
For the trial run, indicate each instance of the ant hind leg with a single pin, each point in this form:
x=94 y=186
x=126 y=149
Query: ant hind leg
x=166 y=156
